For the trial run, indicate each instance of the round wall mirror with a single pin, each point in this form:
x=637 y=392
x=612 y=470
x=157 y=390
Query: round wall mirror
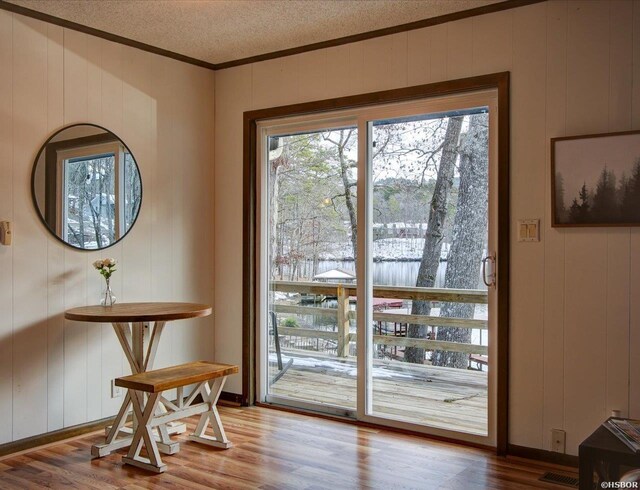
x=86 y=186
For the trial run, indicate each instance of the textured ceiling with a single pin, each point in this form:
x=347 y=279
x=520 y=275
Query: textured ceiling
x=223 y=30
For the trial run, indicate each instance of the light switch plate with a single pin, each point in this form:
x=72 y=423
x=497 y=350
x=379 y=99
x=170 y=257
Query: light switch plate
x=528 y=230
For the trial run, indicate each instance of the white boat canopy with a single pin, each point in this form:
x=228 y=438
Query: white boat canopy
x=334 y=275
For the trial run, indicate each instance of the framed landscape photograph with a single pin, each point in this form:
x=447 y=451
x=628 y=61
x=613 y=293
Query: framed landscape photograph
x=595 y=180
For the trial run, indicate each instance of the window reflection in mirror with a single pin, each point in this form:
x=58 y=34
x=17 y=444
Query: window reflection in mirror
x=87 y=187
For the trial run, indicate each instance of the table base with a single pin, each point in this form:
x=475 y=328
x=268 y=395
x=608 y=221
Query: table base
x=124 y=437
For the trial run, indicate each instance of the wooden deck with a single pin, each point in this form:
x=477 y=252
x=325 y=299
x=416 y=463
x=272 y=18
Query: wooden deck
x=445 y=398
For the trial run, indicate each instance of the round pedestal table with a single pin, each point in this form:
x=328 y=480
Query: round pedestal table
x=140 y=345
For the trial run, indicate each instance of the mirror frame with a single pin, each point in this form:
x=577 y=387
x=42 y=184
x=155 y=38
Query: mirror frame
x=33 y=188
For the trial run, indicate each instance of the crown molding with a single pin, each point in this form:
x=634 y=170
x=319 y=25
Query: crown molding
x=463 y=14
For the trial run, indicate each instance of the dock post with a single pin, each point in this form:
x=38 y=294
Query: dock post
x=343 y=322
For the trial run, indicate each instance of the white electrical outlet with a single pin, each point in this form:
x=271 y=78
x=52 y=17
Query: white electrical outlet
x=558 y=438
x=116 y=391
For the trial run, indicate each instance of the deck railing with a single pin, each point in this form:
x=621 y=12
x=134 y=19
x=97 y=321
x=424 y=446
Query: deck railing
x=343 y=314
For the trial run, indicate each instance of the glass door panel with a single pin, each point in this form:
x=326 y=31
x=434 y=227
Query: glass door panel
x=429 y=338
x=310 y=267
x=375 y=224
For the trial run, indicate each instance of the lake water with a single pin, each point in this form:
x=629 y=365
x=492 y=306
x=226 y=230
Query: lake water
x=387 y=273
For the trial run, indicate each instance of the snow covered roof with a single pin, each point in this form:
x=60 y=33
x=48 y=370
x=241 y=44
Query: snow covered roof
x=400 y=224
x=335 y=274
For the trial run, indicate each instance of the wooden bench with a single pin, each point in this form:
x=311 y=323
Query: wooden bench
x=209 y=377
x=480 y=361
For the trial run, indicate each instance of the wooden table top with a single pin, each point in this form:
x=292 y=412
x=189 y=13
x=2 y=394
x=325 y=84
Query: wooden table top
x=137 y=312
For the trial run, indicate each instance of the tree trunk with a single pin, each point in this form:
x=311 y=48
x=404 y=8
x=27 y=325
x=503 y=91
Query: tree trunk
x=348 y=197
x=274 y=208
x=434 y=234
x=469 y=237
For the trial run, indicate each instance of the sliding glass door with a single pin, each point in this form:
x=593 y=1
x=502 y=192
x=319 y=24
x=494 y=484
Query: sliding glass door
x=377 y=257
x=428 y=236
x=310 y=251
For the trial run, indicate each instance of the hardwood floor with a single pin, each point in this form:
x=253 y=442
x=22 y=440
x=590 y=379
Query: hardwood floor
x=279 y=450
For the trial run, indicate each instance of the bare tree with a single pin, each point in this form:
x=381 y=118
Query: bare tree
x=304 y=220
x=469 y=237
x=342 y=140
x=435 y=233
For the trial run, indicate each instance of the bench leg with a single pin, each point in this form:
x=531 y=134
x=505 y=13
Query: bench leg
x=144 y=434
x=165 y=444
x=210 y=395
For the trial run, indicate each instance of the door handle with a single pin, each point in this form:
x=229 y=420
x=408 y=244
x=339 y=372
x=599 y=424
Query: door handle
x=489 y=271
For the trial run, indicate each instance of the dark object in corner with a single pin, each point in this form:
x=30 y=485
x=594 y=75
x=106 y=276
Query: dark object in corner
x=604 y=452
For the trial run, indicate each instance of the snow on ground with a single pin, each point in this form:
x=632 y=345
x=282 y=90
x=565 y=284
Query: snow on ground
x=348 y=369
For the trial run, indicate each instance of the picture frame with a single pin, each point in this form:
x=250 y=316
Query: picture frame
x=595 y=180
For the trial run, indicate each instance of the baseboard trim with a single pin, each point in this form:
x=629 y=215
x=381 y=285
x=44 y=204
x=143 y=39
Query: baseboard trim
x=231 y=398
x=10 y=448
x=54 y=436
x=542 y=455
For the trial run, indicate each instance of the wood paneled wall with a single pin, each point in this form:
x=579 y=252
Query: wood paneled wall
x=575 y=68
x=55 y=373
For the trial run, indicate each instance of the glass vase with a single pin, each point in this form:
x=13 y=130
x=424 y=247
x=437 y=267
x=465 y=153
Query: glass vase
x=107 y=299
